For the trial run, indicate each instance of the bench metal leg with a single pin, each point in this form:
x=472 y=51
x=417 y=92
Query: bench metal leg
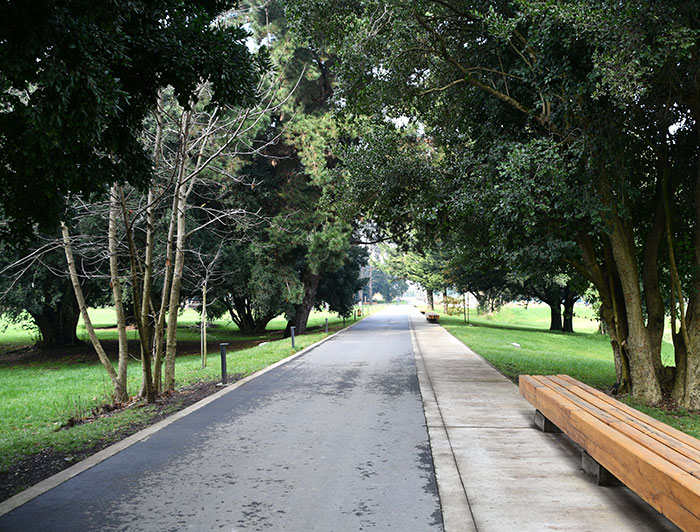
x=544 y=424
x=600 y=475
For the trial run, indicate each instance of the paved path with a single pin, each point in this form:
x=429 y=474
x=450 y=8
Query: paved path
x=334 y=440
x=496 y=472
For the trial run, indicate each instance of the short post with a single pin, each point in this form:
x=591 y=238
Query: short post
x=223 y=363
x=292 y=331
x=326 y=325
x=354 y=315
x=343 y=321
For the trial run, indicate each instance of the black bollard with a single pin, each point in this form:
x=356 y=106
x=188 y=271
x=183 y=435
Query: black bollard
x=292 y=330
x=326 y=325
x=223 y=363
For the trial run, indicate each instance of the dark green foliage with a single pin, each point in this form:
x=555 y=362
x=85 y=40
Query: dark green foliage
x=569 y=132
x=310 y=235
x=76 y=81
x=389 y=287
x=338 y=289
x=38 y=288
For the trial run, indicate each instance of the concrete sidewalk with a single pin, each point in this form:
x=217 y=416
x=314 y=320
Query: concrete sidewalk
x=495 y=470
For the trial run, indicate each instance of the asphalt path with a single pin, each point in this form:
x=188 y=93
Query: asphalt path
x=334 y=440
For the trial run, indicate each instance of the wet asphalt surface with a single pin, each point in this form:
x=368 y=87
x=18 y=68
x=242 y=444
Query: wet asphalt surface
x=333 y=441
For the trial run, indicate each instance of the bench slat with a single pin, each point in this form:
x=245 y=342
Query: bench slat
x=605 y=413
x=666 y=487
x=676 y=434
x=654 y=431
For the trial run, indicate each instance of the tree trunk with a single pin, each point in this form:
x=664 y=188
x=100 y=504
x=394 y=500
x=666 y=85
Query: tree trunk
x=691 y=398
x=147 y=318
x=203 y=326
x=429 y=295
x=645 y=382
x=602 y=273
x=84 y=311
x=445 y=304
x=261 y=324
x=303 y=310
x=137 y=287
x=159 y=338
x=241 y=313
x=691 y=379
x=656 y=313
x=182 y=190
x=554 y=316
x=58 y=326
x=117 y=296
x=174 y=298
x=569 y=301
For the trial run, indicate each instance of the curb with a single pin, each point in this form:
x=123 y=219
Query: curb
x=456 y=509
x=45 y=485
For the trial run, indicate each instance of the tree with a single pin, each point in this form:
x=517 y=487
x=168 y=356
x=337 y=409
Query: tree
x=338 y=289
x=191 y=132
x=78 y=80
x=309 y=235
x=427 y=269
x=389 y=287
x=252 y=291
x=597 y=85
x=36 y=288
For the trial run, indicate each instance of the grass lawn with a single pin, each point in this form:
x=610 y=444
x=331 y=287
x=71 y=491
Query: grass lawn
x=584 y=355
x=37 y=397
x=14 y=335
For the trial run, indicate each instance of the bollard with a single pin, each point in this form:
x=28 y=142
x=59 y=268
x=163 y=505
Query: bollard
x=326 y=325
x=343 y=321
x=292 y=330
x=223 y=363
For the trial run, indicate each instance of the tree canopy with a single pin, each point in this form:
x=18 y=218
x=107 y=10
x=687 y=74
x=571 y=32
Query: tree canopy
x=77 y=80
x=566 y=130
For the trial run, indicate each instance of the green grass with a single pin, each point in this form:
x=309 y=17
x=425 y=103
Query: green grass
x=13 y=335
x=584 y=355
x=37 y=397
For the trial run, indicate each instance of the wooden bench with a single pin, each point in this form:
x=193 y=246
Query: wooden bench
x=432 y=316
x=658 y=462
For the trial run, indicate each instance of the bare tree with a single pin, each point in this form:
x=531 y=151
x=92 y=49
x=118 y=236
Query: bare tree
x=193 y=148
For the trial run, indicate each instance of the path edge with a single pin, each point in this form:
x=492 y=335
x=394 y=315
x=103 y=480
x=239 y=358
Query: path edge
x=456 y=509
x=47 y=484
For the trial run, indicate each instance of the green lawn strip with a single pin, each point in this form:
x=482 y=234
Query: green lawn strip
x=678 y=418
x=36 y=398
x=13 y=335
x=585 y=356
